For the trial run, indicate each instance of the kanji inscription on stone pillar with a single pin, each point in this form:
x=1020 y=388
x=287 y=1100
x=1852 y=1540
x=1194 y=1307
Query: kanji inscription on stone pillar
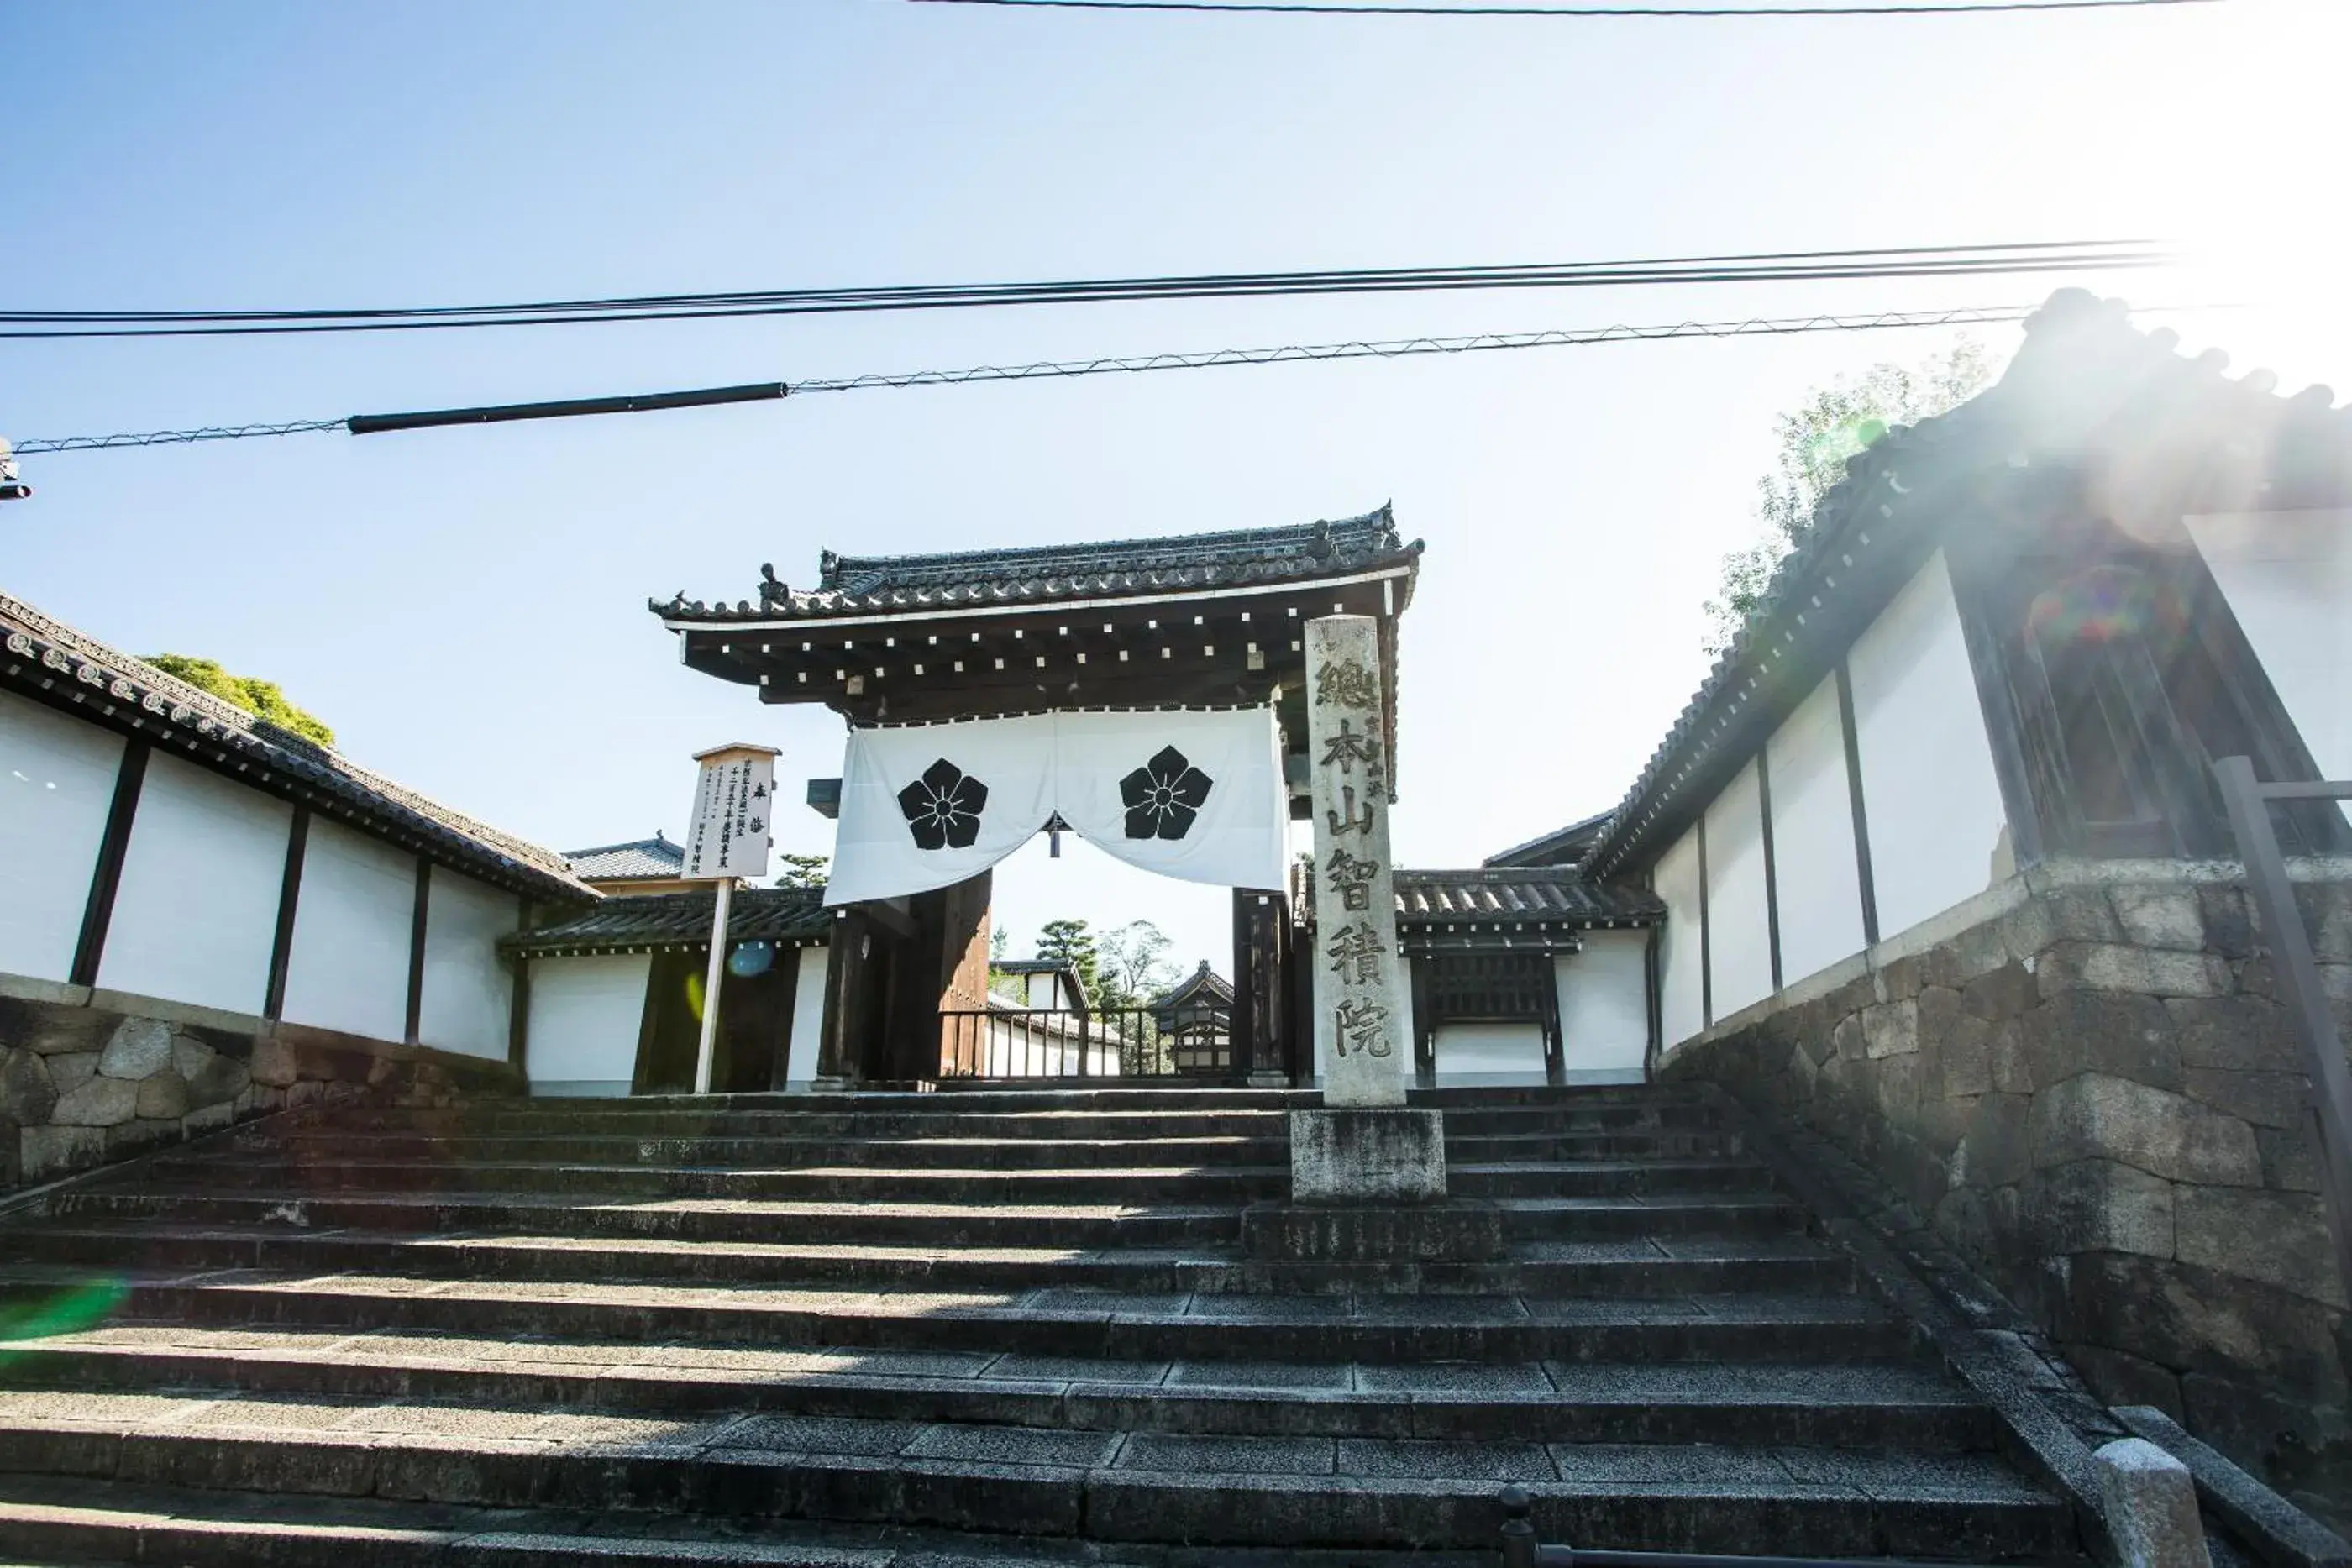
x=1363 y=1049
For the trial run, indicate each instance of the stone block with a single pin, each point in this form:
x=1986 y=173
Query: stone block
x=2301 y=1448
x=138 y=1136
x=1895 y=1088
x=2290 y=1159
x=2264 y=1099
x=1367 y=1155
x=1963 y=1051
x=2241 y=1034
x=1891 y=1029
x=2278 y=1237
x=273 y=1062
x=2120 y=1377
x=1898 y=981
x=163 y=1097
x=2065 y=915
x=1996 y=1150
x=1451 y=1232
x=2096 y=1116
x=2006 y=992
x=54 y=1151
x=2194 y=1320
x=208 y=1119
x=2013 y=1068
x=71 y=1071
x=191 y=1056
x=2098 y=1206
x=2229 y=929
x=222 y=1081
x=2085 y=1032
x=97 y=1103
x=2150 y=1500
x=47 y=1029
x=2164 y=918
x=27 y=1094
x=1846 y=1040
x=139 y=1047
x=2143 y=971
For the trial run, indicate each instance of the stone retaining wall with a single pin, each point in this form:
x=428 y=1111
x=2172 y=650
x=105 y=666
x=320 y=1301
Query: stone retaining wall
x=2083 y=1082
x=88 y=1077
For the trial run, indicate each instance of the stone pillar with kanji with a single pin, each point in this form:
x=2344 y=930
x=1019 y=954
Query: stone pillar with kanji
x=1364 y=1146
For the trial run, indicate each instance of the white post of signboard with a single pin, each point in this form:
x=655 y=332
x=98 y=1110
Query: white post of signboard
x=728 y=838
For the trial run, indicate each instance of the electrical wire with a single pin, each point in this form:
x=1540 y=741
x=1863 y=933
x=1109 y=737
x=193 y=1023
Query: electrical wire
x=1307 y=9
x=1399 y=348
x=1780 y=266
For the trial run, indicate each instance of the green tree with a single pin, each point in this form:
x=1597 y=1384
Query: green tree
x=1070 y=942
x=1133 y=962
x=1815 y=440
x=265 y=700
x=802 y=871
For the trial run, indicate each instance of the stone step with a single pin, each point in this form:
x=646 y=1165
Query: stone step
x=1116 y=1485
x=781 y=1153
x=681 y=1219
x=1060 y=1320
x=1897 y=1405
x=1233 y=1183
x=1638 y=1267
x=60 y=1519
x=934 y=1121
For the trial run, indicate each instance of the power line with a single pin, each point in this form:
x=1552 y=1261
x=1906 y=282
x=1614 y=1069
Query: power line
x=1308 y=8
x=1397 y=348
x=1775 y=267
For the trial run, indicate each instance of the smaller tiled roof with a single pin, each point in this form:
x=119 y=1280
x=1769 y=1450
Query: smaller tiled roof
x=1561 y=846
x=1531 y=894
x=56 y=662
x=680 y=922
x=868 y=585
x=638 y=860
x=1202 y=982
x=1031 y=966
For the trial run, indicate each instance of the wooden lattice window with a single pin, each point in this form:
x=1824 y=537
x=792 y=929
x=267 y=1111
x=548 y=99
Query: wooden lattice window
x=1489 y=988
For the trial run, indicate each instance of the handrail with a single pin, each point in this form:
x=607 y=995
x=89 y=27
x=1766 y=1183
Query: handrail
x=1521 y=1550
x=2295 y=976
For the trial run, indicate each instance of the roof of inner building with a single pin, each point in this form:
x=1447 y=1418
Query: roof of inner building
x=1044 y=574
x=637 y=858
x=650 y=922
x=1517 y=893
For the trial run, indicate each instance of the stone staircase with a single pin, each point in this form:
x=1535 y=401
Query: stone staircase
x=934 y=1327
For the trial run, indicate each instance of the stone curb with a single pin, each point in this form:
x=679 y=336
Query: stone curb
x=2277 y=1531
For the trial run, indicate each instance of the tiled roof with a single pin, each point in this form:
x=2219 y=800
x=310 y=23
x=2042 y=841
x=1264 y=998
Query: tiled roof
x=681 y=921
x=1203 y=981
x=638 y=860
x=867 y=585
x=2084 y=382
x=1031 y=966
x=1561 y=846
x=1553 y=893
x=50 y=660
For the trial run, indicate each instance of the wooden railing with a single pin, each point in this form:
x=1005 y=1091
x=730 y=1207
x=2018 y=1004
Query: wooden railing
x=1068 y=1043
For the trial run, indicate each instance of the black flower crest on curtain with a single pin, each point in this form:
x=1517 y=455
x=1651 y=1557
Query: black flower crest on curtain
x=1163 y=795
x=943 y=807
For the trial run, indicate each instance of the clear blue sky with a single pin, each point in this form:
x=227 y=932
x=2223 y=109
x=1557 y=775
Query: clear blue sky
x=468 y=608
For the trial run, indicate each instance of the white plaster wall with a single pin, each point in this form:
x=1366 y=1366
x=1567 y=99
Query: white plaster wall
x=349 y=966
x=196 y=912
x=56 y=783
x=808 y=1017
x=1928 y=784
x=1604 y=1007
x=584 y=1017
x=1490 y=1053
x=468 y=992
x=2288 y=579
x=1739 y=936
x=1681 y=1000
x=1817 y=886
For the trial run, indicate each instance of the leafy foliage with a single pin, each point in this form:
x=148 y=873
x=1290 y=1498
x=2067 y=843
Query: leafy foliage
x=265 y=700
x=1815 y=440
x=1134 y=965
x=802 y=871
